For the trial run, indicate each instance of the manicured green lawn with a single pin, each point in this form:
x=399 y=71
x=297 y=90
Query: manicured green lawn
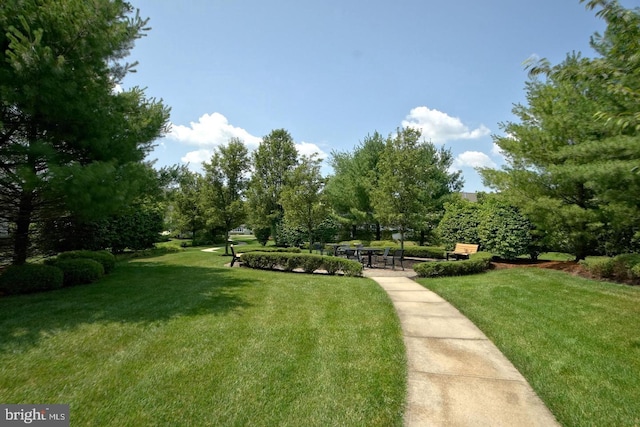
x=577 y=341
x=181 y=340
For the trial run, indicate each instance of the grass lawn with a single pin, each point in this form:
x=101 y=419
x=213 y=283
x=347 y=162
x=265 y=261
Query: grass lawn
x=577 y=341
x=181 y=340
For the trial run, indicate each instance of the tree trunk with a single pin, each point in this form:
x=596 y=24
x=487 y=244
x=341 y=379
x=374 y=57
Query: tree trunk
x=378 y=231
x=226 y=242
x=23 y=223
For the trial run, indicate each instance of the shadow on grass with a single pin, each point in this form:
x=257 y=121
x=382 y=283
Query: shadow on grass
x=137 y=292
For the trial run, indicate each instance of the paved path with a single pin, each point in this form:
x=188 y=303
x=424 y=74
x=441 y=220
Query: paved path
x=456 y=375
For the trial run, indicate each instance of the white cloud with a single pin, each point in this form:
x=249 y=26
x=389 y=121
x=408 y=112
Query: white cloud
x=439 y=127
x=197 y=157
x=308 y=148
x=497 y=151
x=473 y=159
x=211 y=130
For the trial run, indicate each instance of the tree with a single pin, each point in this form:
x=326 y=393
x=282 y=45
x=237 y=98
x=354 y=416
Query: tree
x=272 y=161
x=571 y=156
x=226 y=180
x=459 y=223
x=349 y=190
x=63 y=127
x=188 y=211
x=413 y=176
x=136 y=226
x=303 y=199
x=503 y=230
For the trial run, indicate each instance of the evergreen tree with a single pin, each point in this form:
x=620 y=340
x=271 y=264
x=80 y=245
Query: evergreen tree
x=570 y=157
x=68 y=141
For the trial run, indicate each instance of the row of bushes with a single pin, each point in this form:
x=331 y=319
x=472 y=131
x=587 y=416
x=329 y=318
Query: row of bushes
x=477 y=263
x=67 y=269
x=269 y=249
x=621 y=268
x=309 y=263
x=414 y=251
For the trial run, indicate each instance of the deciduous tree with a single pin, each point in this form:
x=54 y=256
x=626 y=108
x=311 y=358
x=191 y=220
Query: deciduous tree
x=414 y=176
x=272 y=161
x=303 y=198
x=226 y=179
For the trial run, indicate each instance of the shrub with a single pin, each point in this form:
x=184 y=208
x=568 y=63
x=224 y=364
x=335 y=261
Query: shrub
x=270 y=249
x=503 y=230
x=20 y=279
x=107 y=259
x=424 y=252
x=79 y=271
x=620 y=268
x=459 y=223
x=477 y=263
x=307 y=262
x=262 y=234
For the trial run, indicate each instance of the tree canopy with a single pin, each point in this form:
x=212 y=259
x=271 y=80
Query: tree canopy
x=570 y=158
x=66 y=134
x=414 y=176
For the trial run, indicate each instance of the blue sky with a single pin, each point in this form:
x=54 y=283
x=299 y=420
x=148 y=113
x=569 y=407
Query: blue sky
x=333 y=71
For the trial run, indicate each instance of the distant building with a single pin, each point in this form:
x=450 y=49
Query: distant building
x=472 y=197
x=241 y=230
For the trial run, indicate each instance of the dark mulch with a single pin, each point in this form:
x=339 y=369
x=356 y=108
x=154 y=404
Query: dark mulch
x=570 y=267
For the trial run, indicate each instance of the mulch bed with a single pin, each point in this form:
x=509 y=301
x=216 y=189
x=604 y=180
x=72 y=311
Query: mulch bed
x=570 y=267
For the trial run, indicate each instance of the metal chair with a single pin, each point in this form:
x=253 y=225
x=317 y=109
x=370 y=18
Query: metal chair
x=384 y=256
x=398 y=256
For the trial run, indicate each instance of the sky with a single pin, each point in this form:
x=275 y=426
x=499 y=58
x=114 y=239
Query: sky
x=332 y=72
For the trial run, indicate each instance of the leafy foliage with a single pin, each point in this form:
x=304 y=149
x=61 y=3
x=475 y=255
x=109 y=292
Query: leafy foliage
x=571 y=157
x=26 y=278
x=503 y=231
x=477 y=263
x=225 y=183
x=460 y=224
x=272 y=161
x=414 y=178
x=302 y=198
x=307 y=262
x=68 y=142
x=79 y=271
x=106 y=259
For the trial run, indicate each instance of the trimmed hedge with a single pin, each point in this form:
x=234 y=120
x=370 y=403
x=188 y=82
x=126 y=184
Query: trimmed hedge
x=291 y=250
x=107 y=259
x=307 y=262
x=26 y=278
x=477 y=263
x=79 y=271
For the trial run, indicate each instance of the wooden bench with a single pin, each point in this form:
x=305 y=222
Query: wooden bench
x=462 y=251
x=235 y=256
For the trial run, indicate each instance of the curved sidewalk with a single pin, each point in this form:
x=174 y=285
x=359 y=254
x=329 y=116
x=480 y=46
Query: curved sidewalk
x=456 y=375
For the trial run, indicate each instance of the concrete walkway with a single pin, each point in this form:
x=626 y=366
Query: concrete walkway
x=456 y=375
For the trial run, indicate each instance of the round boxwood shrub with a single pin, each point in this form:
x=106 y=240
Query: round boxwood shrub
x=22 y=279
x=80 y=271
x=106 y=258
